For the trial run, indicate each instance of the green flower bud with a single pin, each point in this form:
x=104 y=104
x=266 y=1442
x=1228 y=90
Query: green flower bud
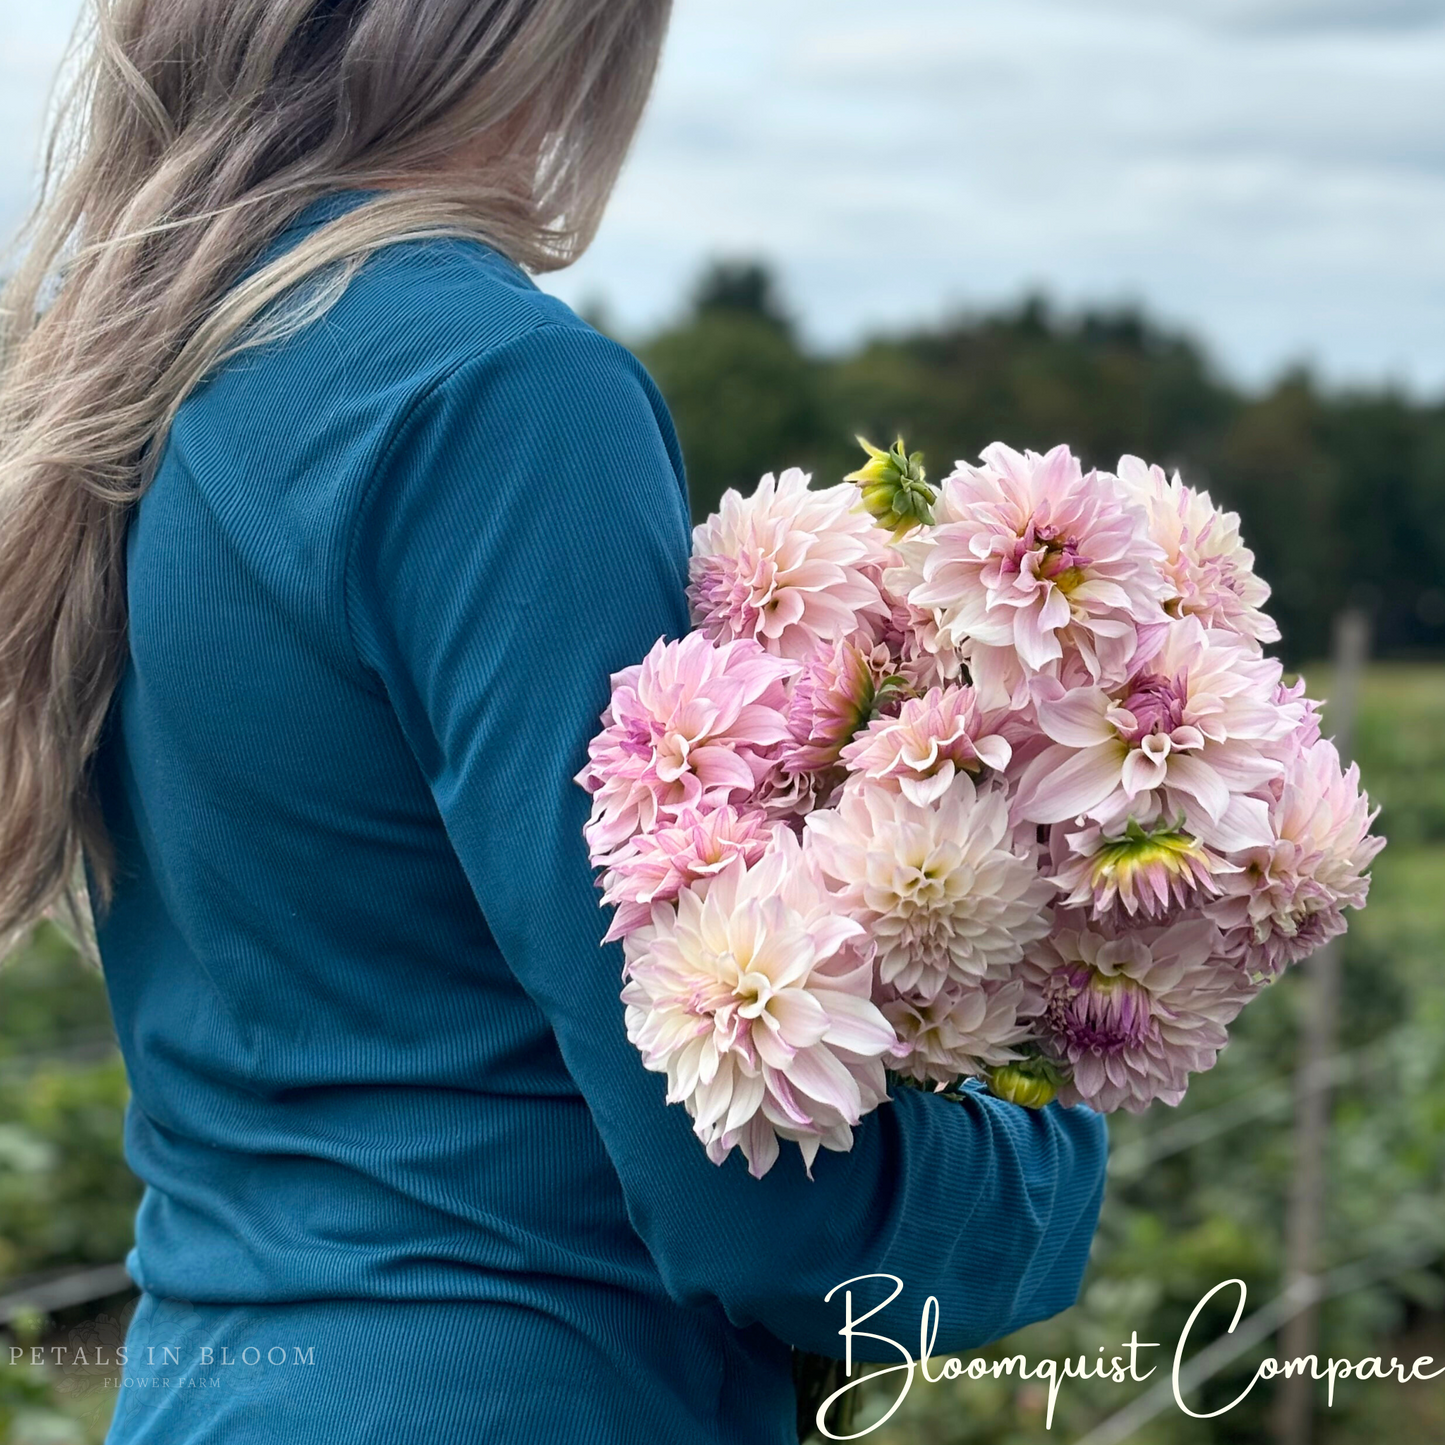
x=1031 y=1082
x=894 y=490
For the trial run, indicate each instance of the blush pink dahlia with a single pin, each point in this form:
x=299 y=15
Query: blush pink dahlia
x=1032 y=560
x=752 y=994
x=910 y=634
x=1209 y=569
x=1190 y=735
x=692 y=725
x=655 y=867
x=940 y=888
x=1132 y=1013
x=1148 y=873
x=787 y=567
x=963 y=1031
x=1289 y=895
x=832 y=698
x=789 y=797
x=1307 y=732
x=932 y=738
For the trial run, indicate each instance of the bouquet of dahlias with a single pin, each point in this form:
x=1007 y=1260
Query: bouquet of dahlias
x=992 y=780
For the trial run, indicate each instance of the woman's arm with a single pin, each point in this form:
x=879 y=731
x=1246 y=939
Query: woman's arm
x=525 y=538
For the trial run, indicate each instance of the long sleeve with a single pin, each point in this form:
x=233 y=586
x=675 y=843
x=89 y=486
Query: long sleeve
x=525 y=537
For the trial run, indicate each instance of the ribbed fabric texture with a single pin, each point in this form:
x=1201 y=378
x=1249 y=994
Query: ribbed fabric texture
x=383 y=1100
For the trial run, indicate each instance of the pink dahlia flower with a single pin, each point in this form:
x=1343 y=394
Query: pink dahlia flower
x=752 y=995
x=832 y=698
x=910 y=635
x=1307 y=732
x=1290 y=893
x=932 y=738
x=692 y=725
x=1032 y=561
x=790 y=797
x=1209 y=569
x=1190 y=735
x=788 y=567
x=963 y=1031
x=1132 y=1013
x=1150 y=873
x=655 y=867
x=940 y=888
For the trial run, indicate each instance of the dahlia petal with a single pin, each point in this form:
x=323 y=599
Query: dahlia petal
x=994 y=752
x=747 y=1097
x=1071 y=786
x=1195 y=777
x=1142 y=772
x=716 y=767
x=801 y=1017
x=759 y=1146
x=856 y=1024
x=822 y=1076
x=1079 y=718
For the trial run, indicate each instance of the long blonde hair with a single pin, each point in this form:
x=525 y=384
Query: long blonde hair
x=194 y=131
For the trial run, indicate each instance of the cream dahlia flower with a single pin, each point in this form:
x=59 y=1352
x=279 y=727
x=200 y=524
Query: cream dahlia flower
x=1289 y=895
x=692 y=725
x=1033 y=561
x=752 y=994
x=787 y=567
x=1209 y=569
x=941 y=888
x=964 y=1030
x=1132 y=1013
x=1190 y=735
x=932 y=738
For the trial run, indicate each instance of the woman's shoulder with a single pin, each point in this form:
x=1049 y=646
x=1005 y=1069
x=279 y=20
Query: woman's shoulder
x=420 y=318
x=451 y=329
x=419 y=309
x=442 y=378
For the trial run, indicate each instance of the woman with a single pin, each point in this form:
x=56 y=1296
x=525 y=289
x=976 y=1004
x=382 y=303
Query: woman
x=322 y=532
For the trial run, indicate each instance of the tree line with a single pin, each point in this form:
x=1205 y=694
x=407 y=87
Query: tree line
x=1341 y=493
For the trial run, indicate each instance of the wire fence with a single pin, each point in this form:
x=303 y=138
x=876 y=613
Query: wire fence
x=62 y=1291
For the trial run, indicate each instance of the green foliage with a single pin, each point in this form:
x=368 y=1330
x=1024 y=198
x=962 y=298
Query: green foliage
x=66 y=1195
x=1401 y=741
x=742 y=288
x=28 y=1410
x=50 y=999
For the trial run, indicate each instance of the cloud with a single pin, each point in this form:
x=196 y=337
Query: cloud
x=1284 y=198
x=1297 y=16
x=1270 y=173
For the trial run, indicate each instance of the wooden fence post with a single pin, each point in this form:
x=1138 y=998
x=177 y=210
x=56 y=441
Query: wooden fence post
x=1303 y=1223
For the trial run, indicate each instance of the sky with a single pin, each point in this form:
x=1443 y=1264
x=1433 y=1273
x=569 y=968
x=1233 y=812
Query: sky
x=1268 y=174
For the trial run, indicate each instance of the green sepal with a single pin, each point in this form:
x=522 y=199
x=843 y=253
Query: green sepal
x=894 y=488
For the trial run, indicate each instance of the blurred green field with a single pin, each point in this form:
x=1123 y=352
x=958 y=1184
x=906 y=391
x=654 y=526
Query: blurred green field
x=1196 y=1194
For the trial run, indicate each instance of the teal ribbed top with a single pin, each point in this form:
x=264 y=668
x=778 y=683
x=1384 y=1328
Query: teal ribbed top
x=382 y=1097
